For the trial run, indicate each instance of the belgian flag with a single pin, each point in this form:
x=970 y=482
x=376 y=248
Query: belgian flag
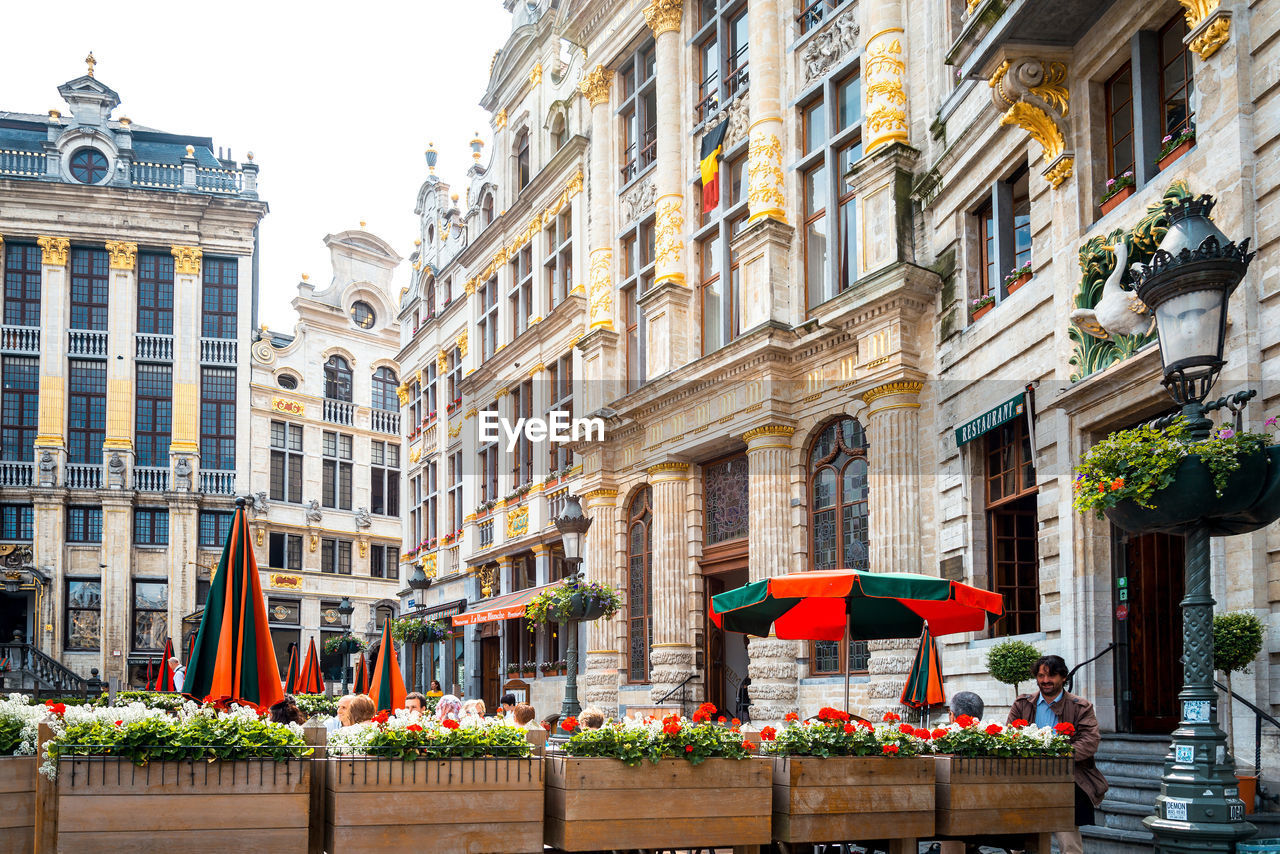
x=712 y=147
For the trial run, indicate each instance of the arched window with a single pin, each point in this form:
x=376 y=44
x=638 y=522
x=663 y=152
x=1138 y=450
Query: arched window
x=431 y=235
x=639 y=585
x=384 y=390
x=838 y=524
x=522 y=159
x=337 y=379
x=559 y=131
x=486 y=210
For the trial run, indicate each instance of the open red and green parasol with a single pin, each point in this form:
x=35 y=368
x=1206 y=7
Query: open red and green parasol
x=164 y=680
x=234 y=658
x=387 y=685
x=824 y=604
x=291 y=675
x=309 y=680
x=362 y=674
x=924 y=682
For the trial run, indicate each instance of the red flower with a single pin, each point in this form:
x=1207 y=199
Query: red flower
x=906 y=729
x=939 y=732
x=850 y=729
x=671 y=728
x=699 y=716
x=736 y=722
x=449 y=723
x=889 y=748
x=826 y=713
x=994 y=729
x=922 y=733
x=688 y=748
x=56 y=708
x=867 y=725
x=569 y=724
x=890 y=717
x=413 y=728
x=546 y=726
x=1065 y=728
x=381 y=717
x=965 y=720
x=791 y=716
x=768 y=733
x=748 y=746
x=119 y=723
x=1018 y=722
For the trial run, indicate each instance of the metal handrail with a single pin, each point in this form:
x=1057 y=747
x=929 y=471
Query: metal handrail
x=1258 y=717
x=1072 y=673
x=679 y=688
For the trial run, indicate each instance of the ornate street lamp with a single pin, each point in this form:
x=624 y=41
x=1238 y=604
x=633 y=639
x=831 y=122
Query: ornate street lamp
x=345 y=610
x=418 y=579
x=1188 y=285
x=573 y=525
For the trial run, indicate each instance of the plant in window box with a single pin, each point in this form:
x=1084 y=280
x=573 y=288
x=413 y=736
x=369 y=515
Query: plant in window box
x=345 y=645
x=513 y=669
x=1116 y=191
x=529 y=670
x=446 y=540
x=1175 y=145
x=574 y=600
x=547 y=668
x=981 y=306
x=562 y=667
x=1017 y=278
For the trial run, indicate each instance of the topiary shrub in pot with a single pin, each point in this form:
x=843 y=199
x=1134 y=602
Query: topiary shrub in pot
x=1237 y=640
x=1010 y=662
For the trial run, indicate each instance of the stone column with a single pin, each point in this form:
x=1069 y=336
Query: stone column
x=595 y=86
x=671 y=658
x=48 y=536
x=893 y=481
x=600 y=682
x=51 y=426
x=118 y=445
x=884 y=72
x=184 y=444
x=117 y=592
x=771 y=662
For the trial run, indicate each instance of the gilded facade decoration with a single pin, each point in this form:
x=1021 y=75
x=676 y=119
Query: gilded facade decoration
x=537 y=222
x=518 y=522
x=123 y=255
x=429 y=565
x=668 y=468
x=462 y=343
x=53 y=250
x=897 y=387
x=1206 y=38
x=535 y=75
x=402 y=392
x=1033 y=94
x=600 y=296
x=663 y=16
x=595 y=85
x=668 y=241
x=186 y=260
x=764 y=176
x=885 y=69
x=442 y=363
x=500 y=121
x=833 y=43
x=781 y=431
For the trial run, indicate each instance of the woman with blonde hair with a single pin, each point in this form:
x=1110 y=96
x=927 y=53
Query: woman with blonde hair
x=473 y=709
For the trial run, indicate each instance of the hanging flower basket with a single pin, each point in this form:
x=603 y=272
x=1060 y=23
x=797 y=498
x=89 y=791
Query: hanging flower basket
x=345 y=645
x=574 y=600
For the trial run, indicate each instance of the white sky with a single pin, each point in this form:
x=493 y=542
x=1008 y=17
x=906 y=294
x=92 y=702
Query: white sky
x=336 y=100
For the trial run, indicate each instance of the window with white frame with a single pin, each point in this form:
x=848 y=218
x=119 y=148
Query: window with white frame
x=558 y=265
x=335 y=488
x=520 y=296
x=286 y=462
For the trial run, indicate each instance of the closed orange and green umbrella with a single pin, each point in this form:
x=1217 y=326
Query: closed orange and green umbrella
x=234 y=658
x=164 y=680
x=291 y=675
x=191 y=648
x=362 y=675
x=309 y=681
x=924 y=682
x=387 y=685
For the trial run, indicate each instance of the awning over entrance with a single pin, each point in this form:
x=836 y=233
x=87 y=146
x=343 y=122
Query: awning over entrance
x=991 y=419
x=507 y=607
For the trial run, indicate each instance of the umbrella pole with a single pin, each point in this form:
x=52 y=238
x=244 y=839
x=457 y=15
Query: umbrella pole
x=846 y=667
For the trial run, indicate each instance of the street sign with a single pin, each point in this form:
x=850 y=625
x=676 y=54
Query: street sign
x=1122 y=612
x=992 y=418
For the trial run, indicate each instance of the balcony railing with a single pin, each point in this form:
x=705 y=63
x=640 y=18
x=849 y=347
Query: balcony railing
x=87 y=342
x=385 y=421
x=339 y=412
x=153 y=348
x=15 y=473
x=218 y=180
x=217 y=351
x=485 y=530
x=84 y=476
x=155 y=175
x=29 y=163
x=20 y=339
x=555 y=504
x=151 y=478
x=218 y=482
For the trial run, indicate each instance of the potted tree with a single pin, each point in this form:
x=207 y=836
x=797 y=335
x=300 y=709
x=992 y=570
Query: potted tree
x=1237 y=640
x=1010 y=662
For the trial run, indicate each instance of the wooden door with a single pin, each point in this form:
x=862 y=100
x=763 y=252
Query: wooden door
x=490 y=680
x=715 y=647
x=1152 y=630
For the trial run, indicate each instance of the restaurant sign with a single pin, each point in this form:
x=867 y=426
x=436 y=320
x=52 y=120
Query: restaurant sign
x=286 y=582
x=991 y=419
x=289 y=407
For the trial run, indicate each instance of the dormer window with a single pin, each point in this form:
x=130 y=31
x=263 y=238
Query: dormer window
x=486 y=210
x=88 y=166
x=522 y=160
x=362 y=315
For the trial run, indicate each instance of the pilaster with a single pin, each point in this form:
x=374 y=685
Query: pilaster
x=882 y=183
x=51 y=430
x=766 y=193
x=117 y=446
x=595 y=86
x=665 y=18
x=603 y=659
x=764 y=252
x=666 y=311
x=117 y=548
x=184 y=446
x=600 y=364
x=671 y=658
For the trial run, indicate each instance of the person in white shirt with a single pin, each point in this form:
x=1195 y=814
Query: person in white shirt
x=179 y=674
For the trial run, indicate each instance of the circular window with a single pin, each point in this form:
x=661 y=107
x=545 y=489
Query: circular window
x=363 y=315
x=288 y=381
x=88 y=166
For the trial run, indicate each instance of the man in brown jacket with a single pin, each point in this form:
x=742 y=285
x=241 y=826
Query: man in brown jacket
x=1050 y=706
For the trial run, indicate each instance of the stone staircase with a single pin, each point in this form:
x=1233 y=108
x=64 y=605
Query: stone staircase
x=1132 y=765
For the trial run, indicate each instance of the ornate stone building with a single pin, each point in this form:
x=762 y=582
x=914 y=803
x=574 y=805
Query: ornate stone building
x=327 y=478
x=129 y=290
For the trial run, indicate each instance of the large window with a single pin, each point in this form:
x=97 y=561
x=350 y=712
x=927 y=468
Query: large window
x=87 y=411
x=636 y=265
x=522 y=459
x=1011 y=527
x=639 y=584
x=639 y=112
x=384 y=390
x=384 y=479
x=84 y=524
x=21 y=406
x=1119 y=92
x=838 y=524
x=726 y=488
x=487 y=325
x=722 y=55
x=335 y=487
x=454 y=378
x=719 y=279
x=218 y=418
x=286 y=462
x=150 y=527
x=153 y=417
x=150 y=615
x=213 y=527
x=520 y=297
x=155 y=294
x=84 y=614
x=284 y=551
x=335 y=556
x=1004 y=233
x=522 y=159
x=384 y=561
x=431 y=501
x=559 y=262
x=487 y=457
x=16 y=521
x=221 y=282
x=21 y=285
x=337 y=379
x=455 y=492
x=89 y=288
x=1177 y=86
x=560 y=391
x=832 y=129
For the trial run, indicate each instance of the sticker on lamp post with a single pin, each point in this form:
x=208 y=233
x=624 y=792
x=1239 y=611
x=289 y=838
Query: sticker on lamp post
x=1184 y=754
x=1195 y=711
x=1175 y=809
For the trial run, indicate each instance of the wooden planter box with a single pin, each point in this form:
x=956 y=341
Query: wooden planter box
x=17 y=804
x=852 y=797
x=468 y=806
x=602 y=805
x=990 y=795
x=110 y=805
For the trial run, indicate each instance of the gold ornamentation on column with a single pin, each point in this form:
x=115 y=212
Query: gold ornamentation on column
x=663 y=16
x=123 y=255
x=672 y=468
x=442 y=363
x=402 y=392
x=364 y=547
x=764 y=175
x=1033 y=94
x=782 y=431
x=601 y=291
x=315 y=541
x=462 y=343
x=535 y=76
x=886 y=68
x=537 y=369
x=600 y=493
x=53 y=250
x=500 y=120
x=1206 y=38
x=186 y=260
x=52 y=399
x=595 y=85
x=668 y=240
x=896 y=387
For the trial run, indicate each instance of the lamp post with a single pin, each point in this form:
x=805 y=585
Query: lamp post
x=419 y=582
x=1188 y=285
x=573 y=525
x=345 y=610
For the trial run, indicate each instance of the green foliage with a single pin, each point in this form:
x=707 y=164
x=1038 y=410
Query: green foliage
x=977 y=739
x=317 y=704
x=460 y=743
x=417 y=630
x=835 y=734
x=346 y=643
x=552 y=604
x=151 y=699
x=205 y=737
x=674 y=737
x=1237 y=640
x=630 y=744
x=1010 y=662
x=10 y=734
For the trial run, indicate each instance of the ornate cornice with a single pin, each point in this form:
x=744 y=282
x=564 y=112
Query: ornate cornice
x=667 y=468
x=600 y=493
x=123 y=255
x=1210 y=26
x=53 y=250
x=1032 y=94
x=896 y=387
x=186 y=260
x=770 y=430
x=595 y=85
x=663 y=16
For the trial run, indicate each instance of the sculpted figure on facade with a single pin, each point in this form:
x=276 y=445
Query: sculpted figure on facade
x=363 y=519
x=830 y=45
x=48 y=469
x=258 y=501
x=115 y=471
x=182 y=475
x=313 y=511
